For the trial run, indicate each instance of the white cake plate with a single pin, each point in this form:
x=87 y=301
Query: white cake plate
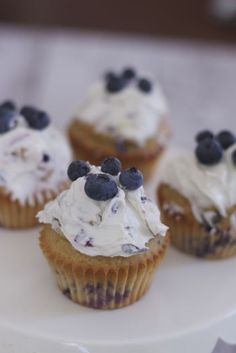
x=190 y=304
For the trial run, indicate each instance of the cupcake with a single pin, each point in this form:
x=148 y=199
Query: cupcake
x=103 y=237
x=33 y=156
x=197 y=196
x=123 y=115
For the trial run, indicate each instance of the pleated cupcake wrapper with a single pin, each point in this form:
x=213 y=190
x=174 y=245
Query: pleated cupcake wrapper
x=103 y=288
x=15 y=215
x=190 y=237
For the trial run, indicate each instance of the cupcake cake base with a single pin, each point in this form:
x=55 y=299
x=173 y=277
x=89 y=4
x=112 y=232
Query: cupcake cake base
x=101 y=282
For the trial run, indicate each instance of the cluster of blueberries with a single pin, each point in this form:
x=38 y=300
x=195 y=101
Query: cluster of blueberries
x=117 y=82
x=101 y=186
x=210 y=148
x=35 y=118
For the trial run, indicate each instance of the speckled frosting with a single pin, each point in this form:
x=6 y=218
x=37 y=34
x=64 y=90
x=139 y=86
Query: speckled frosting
x=205 y=186
x=121 y=226
x=129 y=114
x=32 y=161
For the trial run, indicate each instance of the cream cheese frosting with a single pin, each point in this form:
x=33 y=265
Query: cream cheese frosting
x=32 y=161
x=121 y=226
x=204 y=186
x=129 y=114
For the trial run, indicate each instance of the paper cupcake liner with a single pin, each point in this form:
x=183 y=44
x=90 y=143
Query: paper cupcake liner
x=100 y=282
x=145 y=159
x=195 y=238
x=15 y=215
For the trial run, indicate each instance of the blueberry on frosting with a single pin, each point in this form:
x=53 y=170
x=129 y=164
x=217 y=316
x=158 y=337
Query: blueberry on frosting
x=8 y=104
x=115 y=84
x=205 y=134
x=7 y=120
x=131 y=179
x=78 y=169
x=128 y=73
x=111 y=166
x=145 y=85
x=226 y=139
x=35 y=118
x=100 y=187
x=209 y=151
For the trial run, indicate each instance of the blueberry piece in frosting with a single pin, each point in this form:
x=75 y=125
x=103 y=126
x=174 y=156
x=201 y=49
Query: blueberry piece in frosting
x=100 y=187
x=205 y=134
x=78 y=169
x=131 y=179
x=7 y=120
x=46 y=158
x=8 y=104
x=209 y=152
x=145 y=85
x=36 y=119
x=111 y=166
x=226 y=139
x=129 y=73
x=115 y=84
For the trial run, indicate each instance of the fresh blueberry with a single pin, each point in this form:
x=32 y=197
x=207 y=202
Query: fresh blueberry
x=234 y=157
x=226 y=139
x=35 y=118
x=128 y=73
x=131 y=179
x=10 y=105
x=209 y=151
x=100 y=187
x=46 y=158
x=115 y=84
x=111 y=166
x=145 y=85
x=78 y=169
x=7 y=120
x=205 y=134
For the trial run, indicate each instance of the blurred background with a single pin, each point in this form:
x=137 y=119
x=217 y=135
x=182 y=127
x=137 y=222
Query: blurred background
x=51 y=50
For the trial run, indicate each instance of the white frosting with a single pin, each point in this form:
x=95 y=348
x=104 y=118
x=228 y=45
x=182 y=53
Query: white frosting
x=23 y=173
x=129 y=114
x=121 y=226
x=204 y=186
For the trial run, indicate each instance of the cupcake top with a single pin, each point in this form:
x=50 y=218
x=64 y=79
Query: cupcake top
x=207 y=178
x=126 y=106
x=33 y=154
x=105 y=211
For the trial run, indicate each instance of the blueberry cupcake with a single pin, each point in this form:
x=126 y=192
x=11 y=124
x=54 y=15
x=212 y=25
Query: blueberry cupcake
x=123 y=115
x=103 y=236
x=197 y=196
x=33 y=156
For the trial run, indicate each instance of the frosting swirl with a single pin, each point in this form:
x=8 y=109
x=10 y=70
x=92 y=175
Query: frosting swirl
x=32 y=161
x=129 y=114
x=120 y=226
x=204 y=186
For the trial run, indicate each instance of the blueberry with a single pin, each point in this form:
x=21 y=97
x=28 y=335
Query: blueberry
x=100 y=187
x=226 y=139
x=10 y=105
x=7 y=120
x=78 y=169
x=111 y=166
x=209 y=151
x=128 y=73
x=145 y=85
x=115 y=84
x=131 y=179
x=46 y=158
x=35 y=118
x=202 y=135
x=234 y=157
